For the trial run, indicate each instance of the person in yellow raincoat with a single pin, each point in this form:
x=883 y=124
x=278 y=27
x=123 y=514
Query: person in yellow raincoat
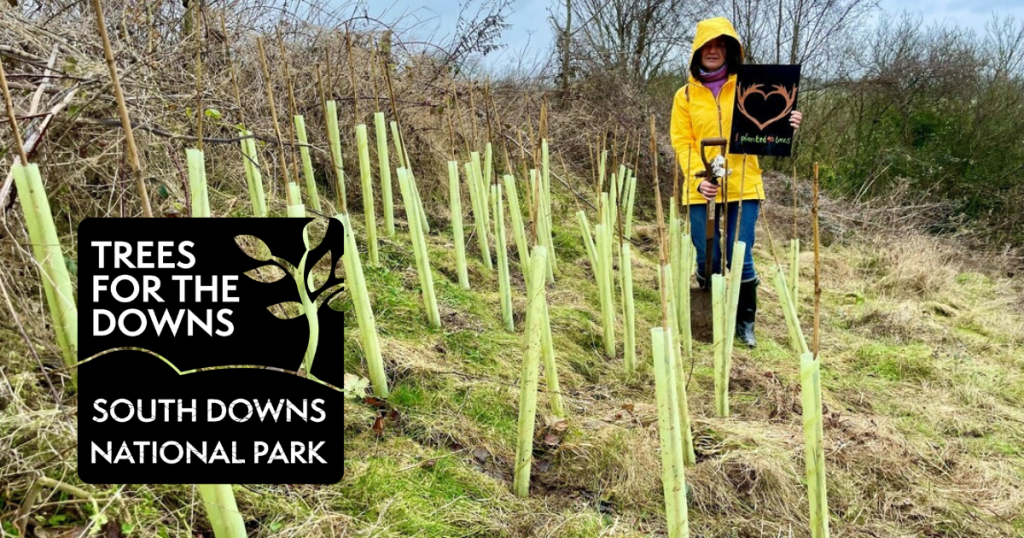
x=702 y=108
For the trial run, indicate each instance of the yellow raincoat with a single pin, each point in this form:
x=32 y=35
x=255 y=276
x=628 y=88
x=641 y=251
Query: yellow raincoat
x=697 y=114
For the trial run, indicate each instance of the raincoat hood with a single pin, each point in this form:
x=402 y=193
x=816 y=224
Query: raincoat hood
x=709 y=29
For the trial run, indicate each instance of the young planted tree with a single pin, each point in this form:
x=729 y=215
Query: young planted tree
x=479 y=212
x=628 y=308
x=356 y=283
x=197 y=183
x=666 y=385
x=45 y=244
x=363 y=145
x=47 y=251
x=796 y=334
x=810 y=389
x=604 y=254
x=419 y=246
x=384 y=163
x=455 y=204
x=588 y=242
x=545 y=206
x=504 y=284
x=528 y=380
x=253 y=176
x=518 y=229
x=334 y=138
x=729 y=301
x=403 y=157
x=307 y=164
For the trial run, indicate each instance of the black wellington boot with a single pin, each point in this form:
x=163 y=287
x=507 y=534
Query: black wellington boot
x=702 y=281
x=746 y=309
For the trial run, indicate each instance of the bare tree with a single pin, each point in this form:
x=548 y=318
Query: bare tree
x=636 y=38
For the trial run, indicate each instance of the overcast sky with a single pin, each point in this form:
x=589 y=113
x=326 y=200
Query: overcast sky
x=530 y=33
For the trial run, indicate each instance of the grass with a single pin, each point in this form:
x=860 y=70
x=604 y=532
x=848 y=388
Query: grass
x=923 y=388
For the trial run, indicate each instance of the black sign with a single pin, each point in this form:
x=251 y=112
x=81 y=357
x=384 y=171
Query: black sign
x=198 y=372
x=765 y=97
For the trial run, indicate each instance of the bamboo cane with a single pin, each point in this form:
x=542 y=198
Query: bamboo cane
x=794 y=269
x=794 y=263
x=231 y=69
x=122 y=109
x=529 y=378
x=364 y=312
x=455 y=202
x=12 y=117
x=292 y=111
x=817 y=268
x=273 y=114
x=363 y=145
x=488 y=177
x=352 y=77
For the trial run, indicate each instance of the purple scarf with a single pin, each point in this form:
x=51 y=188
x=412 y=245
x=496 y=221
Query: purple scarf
x=715 y=79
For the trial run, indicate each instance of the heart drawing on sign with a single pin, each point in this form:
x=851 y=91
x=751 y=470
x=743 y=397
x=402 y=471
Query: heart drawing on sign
x=788 y=95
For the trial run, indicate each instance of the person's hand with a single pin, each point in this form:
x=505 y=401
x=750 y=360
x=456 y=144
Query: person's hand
x=708 y=190
x=795 y=118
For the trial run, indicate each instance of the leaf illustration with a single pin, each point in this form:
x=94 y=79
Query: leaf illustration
x=286 y=310
x=321 y=271
x=268 y=274
x=253 y=247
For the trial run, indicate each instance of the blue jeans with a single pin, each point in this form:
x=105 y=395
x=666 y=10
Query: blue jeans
x=698 y=231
